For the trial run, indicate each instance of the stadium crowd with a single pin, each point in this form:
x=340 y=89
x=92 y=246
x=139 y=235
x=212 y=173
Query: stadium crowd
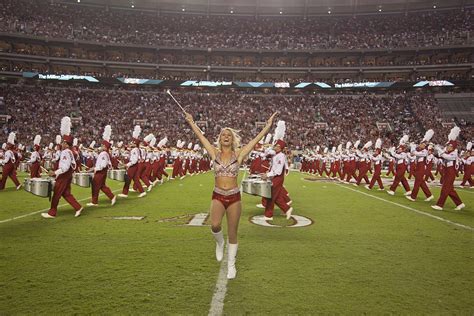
x=45 y=19
x=348 y=117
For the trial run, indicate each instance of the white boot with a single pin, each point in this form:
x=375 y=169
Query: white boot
x=232 y=252
x=219 y=237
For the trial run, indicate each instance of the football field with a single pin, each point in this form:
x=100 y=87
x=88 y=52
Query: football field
x=357 y=251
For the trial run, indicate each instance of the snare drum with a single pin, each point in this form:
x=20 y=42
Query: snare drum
x=110 y=174
x=119 y=174
x=47 y=164
x=23 y=167
x=27 y=185
x=257 y=186
x=42 y=186
x=262 y=188
x=83 y=179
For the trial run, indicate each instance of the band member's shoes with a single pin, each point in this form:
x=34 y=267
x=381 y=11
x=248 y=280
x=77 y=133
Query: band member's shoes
x=288 y=213
x=112 y=202
x=149 y=188
x=429 y=198
x=391 y=192
x=122 y=195
x=18 y=187
x=78 y=212
x=289 y=203
x=367 y=187
x=380 y=189
x=436 y=207
x=142 y=194
x=268 y=218
x=410 y=198
x=355 y=184
x=46 y=215
x=261 y=205
x=132 y=190
x=92 y=204
x=182 y=177
x=407 y=193
x=232 y=252
x=460 y=207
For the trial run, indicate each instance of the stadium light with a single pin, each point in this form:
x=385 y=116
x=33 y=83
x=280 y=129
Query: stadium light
x=281 y=12
x=183 y=9
x=78 y=1
x=434 y=6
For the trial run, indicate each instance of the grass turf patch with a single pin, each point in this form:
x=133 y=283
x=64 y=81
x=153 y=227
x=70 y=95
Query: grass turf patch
x=361 y=255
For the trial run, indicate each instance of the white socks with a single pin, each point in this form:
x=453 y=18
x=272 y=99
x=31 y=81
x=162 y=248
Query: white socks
x=232 y=252
x=219 y=237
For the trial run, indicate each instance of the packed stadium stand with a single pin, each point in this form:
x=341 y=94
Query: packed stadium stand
x=419 y=57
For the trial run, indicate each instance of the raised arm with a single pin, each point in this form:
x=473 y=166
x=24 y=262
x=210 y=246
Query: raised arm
x=248 y=148
x=210 y=149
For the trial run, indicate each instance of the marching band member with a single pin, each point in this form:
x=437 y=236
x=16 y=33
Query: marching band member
x=401 y=158
x=277 y=176
x=102 y=165
x=363 y=163
x=132 y=166
x=9 y=169
x=468 y=166
x=391 y=164
x=377 y=159
x=145 y=153
x=66 y=167
x=57 y=153
x=35 y=159
x=430 y=160
x=177 y=160
x=449 y=156
x=420 y=153
x=77 y=155
x=227 y=158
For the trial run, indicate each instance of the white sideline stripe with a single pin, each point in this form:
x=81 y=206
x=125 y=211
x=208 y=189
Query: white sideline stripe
x=410 y=208
x=47 y=209
x=217 y=303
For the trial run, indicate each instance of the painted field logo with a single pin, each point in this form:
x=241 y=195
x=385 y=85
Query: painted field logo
x=298 y=221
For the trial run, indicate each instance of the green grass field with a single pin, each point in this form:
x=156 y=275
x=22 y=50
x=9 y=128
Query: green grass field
x=361 y=255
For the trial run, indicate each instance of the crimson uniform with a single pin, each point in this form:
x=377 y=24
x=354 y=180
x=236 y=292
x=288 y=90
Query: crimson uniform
x=277 y=174
x=103 y=163
x=9 y=169
x=62 y=187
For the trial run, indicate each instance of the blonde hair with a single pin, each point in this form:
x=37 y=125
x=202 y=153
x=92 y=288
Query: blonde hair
x=235 y=138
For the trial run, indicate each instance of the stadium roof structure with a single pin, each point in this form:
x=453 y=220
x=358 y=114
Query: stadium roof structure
x=280 y=7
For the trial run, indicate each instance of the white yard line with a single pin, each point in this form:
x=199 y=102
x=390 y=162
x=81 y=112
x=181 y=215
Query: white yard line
x=217 y=303
x=410 y=208
x=47 y=209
